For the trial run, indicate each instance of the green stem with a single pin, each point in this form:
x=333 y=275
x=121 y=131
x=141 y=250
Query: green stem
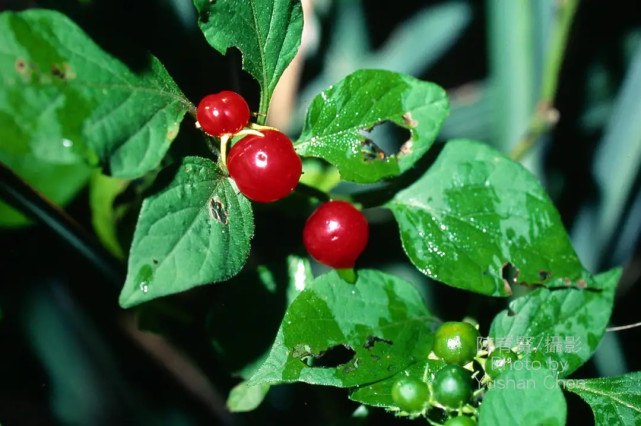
x=192 y=111
x=265 y=97
x=545 y=115
x=28 y=201
x=224 y=140
x=348 y=274
x=567 y=11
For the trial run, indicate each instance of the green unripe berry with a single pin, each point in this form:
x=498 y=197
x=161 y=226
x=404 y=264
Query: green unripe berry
x=452 y=386
x=460 y=421
x=411 y=395
x=498 y=362
x=455 y=342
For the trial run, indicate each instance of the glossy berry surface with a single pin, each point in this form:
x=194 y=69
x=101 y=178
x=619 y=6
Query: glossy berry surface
x=460 y=421
x=452 y=386
x=411 y=395
x=336 y=234
x=455 y=342
x=498 y=362
x=265 y=168
x=222 y=113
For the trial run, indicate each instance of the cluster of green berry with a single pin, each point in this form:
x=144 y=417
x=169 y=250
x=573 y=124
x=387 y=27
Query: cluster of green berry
x=266 y=168
x=451 y=388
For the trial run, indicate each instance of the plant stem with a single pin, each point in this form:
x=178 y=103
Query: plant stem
x=264 y=106
x=28 y=201
x=224 y=140
x=545 y=115
x=192 y=112
x=624 y=327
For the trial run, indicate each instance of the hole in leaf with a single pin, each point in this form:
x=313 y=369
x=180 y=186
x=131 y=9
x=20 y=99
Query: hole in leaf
x=509 y=273
x=371 y=152
x=334 y=356
x=217 y=211
x=372 y=340
x=57 y=72
x=545 y=275
x=385 y=139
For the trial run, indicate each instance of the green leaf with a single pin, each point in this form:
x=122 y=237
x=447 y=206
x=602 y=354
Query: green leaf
x=103 y=191
x=524 y=397
x=338 y=119
x=475 y=216
x=243 y=397
x=195 y=230
x=379 y=394
x=300 y=276
x=58 y=182
x=563 y=326
x=614 y=400
x=64 y=99
x=267 y=32
x=340 y=334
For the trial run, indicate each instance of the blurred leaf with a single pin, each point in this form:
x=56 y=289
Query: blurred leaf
x=267 y=32
x=437 y=27
x=614 y=400
x=85 y=382
x=58 y=182
x=319 y=174
x=528 y=397
x=64 y=99
x=243 y=397
x=470 y=114
x=565 y=325
x=479 y=221
x=196 y=230
x=616 y=167
x=103 y=191
x=511 y=69
x=300 y=276
x=340 y=334
x=544 y=21
x=338 y=117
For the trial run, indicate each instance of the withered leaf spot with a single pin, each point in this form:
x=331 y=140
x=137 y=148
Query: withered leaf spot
x=217 y=211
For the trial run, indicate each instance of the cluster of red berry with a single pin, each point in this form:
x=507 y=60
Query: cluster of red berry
x=266 y=168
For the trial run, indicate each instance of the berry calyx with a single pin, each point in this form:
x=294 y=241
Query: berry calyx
x=455 y=342
x=265 y=168
x=498 y=362
x=460 y=421
x=411 y=395
x=452 y=386
x=222 y=113
x=336 y=234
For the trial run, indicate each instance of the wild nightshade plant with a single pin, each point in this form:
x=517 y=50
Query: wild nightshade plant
x=470 y=218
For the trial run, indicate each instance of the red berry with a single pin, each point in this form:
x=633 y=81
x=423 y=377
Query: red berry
x=336 y=234
x=223 y=113
x=265 y=168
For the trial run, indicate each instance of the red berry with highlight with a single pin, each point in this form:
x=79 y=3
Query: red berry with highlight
x=336 y=234
x=265 y=168
x=223 y=113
